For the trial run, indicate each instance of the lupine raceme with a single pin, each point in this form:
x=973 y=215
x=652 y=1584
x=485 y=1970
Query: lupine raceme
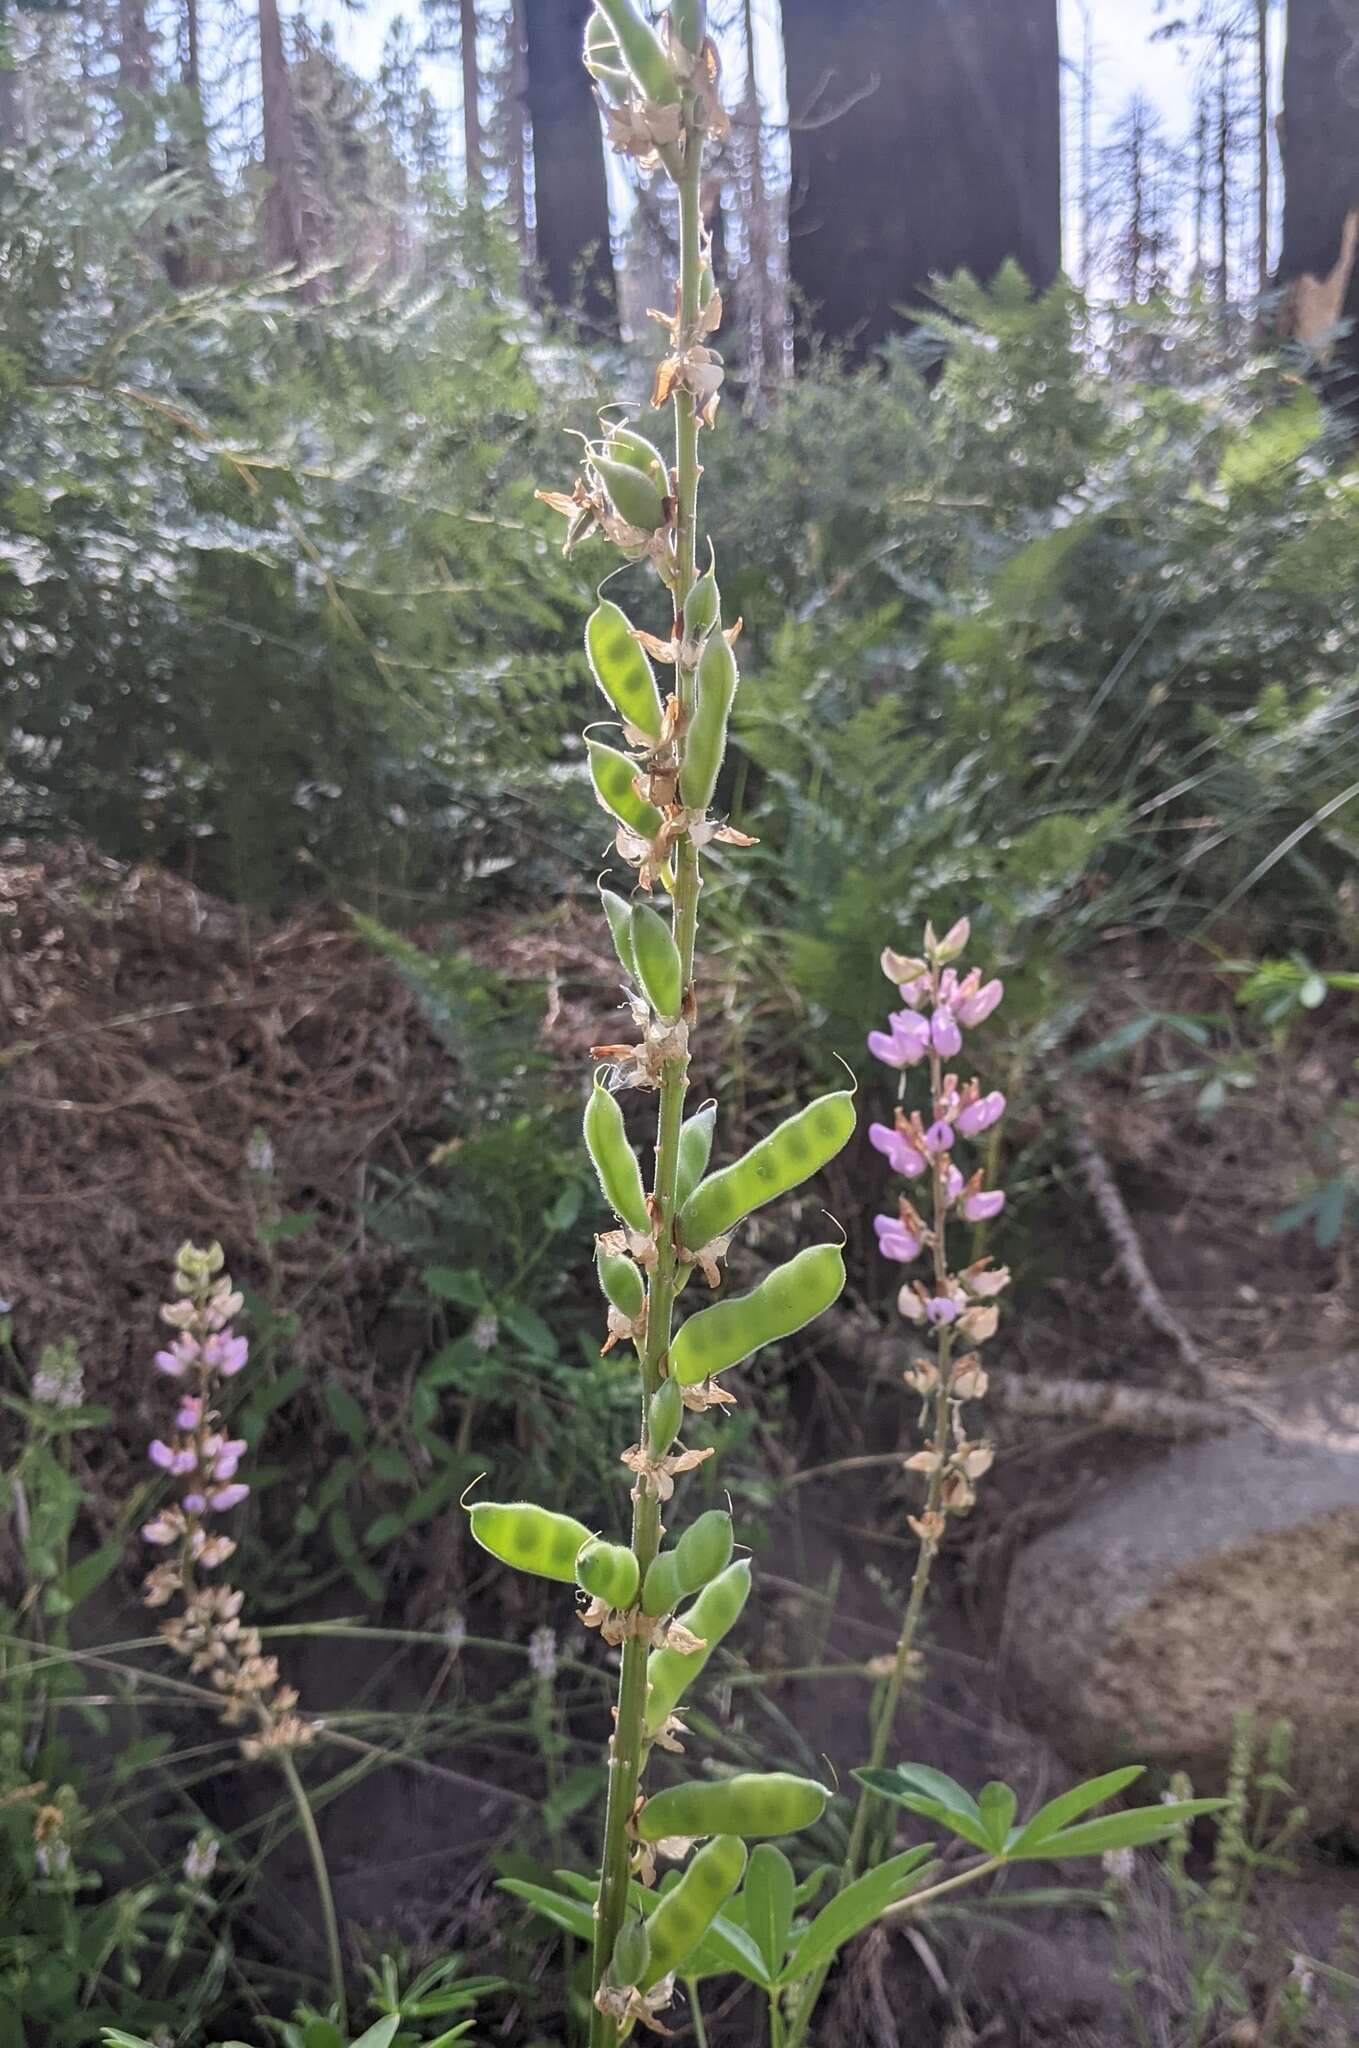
x=668 y=1604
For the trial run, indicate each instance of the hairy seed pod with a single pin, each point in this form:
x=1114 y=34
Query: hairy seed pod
x=620 y=1177
x=621 y=1283
x=665 y=1413
x=705 y=742
x=634 y=496
x=661 y=1589
x=695 y=1149
x=632 y=1953
x=530 y=1538
x=658 y=962
x=622 y=670
x=604 y=60
x=684 y=1915
x=702 y=607
x=642 y=51
x=688 y=24
x=704 y=1549
x=619 y=915
x=791 y=1296
x=669 y=1673
x=800 y=1147
x=615 y=779
x=753 y=1803
x=625 y=444
x=609 y=1571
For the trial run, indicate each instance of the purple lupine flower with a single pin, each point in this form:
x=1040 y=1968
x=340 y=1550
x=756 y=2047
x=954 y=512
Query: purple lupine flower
x=194 y=1504
x=900 y=1154
x=939 y=1138
x=939 y=1309
x=190 y=1412
x=895 y=1240
x=982 y=1206
x=179 y=1355
x=228 y=1457
x=945 y=1036
x=224 y=1353
x=953 y=1183
x=976 y=1008
x=981 y=1114
x=228 y=1496
x=914 y=993
x=948 y=985
x=169 y=1458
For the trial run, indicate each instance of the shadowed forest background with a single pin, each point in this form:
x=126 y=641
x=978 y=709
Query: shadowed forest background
x=1035 y=486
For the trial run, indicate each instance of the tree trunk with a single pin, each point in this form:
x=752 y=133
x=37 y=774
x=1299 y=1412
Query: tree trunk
x=1262 y=146
x=1319 y=261
x=471 y=101
x=764 y=340
x=284 y=219
x=516 y=115
x=925 y=139
x=571 y=198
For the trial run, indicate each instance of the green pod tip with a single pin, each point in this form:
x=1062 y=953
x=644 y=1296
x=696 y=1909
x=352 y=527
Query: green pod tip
x=635 y=498
x=659 y=968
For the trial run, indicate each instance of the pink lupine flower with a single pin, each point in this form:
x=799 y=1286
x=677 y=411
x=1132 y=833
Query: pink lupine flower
x=954 y=940
x=953 y=1183
x=975 y=1009
x=914 y=993
x=225 y=1354
x=166 y=1528
x=228 y=1458
x=945 y=1036
x=228 y=1496
x=939 y=1309
x=178 y=1356
x=910 y=1305
x=939 y=1138
x=895 y=1240
x=190 y=1412
x=981 y=1207
x=900 y=1154
x=907 y=1042
x=170 y=1458
x=981 y=1114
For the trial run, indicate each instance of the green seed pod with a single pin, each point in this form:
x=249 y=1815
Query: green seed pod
x=663 y=1417
x=704 y=1549
x=800 y=1147
x=702 y=607
x=620 y=1177
x=669 y=1673
x=658 y=961
x=632 y=1953
x=615 y=778
x=634 y=496
x=662 y=1591
x=619 y=915
x=622 y=670
x=705 y=742
x=621 y=1283
x=642 y=51
x=688 y=24
x=609 y=1571
x=530 y=1538
x=730 y=1330
x=695 y=1148
x=604 y=60
x=684 y=1915
x=755 y=1803
x=625 y=444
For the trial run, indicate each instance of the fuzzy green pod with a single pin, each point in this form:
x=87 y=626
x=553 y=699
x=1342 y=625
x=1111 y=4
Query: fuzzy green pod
x=622 y=670
x=658 y=962
x=642 y=51
x=702 y=607
x=604 y=60
x=800 y=1147
x=704 y=1549
x=633 y=495
x=664 y=1414
x=752 y=1804
x=632 y=1953
x=661 y=1589
x=695 y=1150
x=619 y=915
x=530 y=1538
x=609 y=1571
x=705 y=742
x=620 y=1177
x=625 y=444
x=683 y=1916
x=669 y=1673
x=792 y=1295
x=689 y=24
x=621 y=1283
x=615 y=779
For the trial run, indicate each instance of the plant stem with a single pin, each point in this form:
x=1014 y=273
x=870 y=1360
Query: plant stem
x=628 y=1740
x=700 y=2030
x=312 y=1836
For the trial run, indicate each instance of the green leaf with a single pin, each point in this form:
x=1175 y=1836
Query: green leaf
x=1067 y=1806
x=1132 y=1830
x=996 y=1804
x=381 y=2034
x=80 y=1581
x=768 y=1895
x=286 y=1227
x=573 y=1916
x=726 y=1951
x=855 y=1908
x=933 y=1795
x=452 y=1283
x=346 y=1414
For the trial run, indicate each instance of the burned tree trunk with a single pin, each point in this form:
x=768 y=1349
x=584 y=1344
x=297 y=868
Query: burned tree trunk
x=571 y=200
x=925 y=138
x=1319 y=262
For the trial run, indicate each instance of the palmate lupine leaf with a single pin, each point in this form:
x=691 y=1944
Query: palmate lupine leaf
x=986 y=1822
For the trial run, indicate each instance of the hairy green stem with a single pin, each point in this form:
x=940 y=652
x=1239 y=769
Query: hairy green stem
x=627 y=1744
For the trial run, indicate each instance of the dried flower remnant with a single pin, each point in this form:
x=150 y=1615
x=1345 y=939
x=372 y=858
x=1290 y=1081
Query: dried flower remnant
x=58 y=1381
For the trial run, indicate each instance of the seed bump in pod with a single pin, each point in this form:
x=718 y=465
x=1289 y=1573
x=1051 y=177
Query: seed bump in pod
x=609 y=1571
x=622 y=670
x=615 y=779
x=633 y=495
x=615 y=1162
x=658 y=962
x=530 y=1538
x=730 y=1330
x=705 y=743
